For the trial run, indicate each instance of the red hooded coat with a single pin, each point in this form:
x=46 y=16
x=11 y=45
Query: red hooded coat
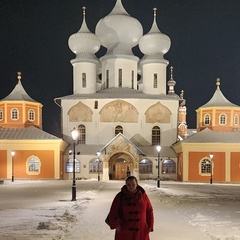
x=134 y=212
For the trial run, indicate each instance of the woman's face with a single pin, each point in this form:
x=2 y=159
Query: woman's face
x=131 y=185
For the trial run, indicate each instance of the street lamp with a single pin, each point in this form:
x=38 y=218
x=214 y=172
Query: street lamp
x=158 y=159
x=74 y=134
x=211 y=157
x=12 y=153
x=98 y=154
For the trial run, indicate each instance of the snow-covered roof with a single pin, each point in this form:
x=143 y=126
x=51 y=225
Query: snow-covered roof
x=18 y=93
x=151 y=151
x=218 y=99
x=29 y=133
x=118 y=93
x=85 y=149
x=209 y=136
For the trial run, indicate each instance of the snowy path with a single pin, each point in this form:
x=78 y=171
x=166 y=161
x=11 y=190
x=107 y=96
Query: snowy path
x=43 y=210
x=92 y=226
x=169 y=225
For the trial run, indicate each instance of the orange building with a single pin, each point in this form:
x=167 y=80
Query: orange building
x=26 y=151
x=213 y=153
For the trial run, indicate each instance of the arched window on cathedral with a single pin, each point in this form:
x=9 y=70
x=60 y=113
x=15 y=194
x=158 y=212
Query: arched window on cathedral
x=14 y=114
x=132 y=79
x=94 y=164
x=118 y=129
x=207 y=119
x=82 y=134
x=145 y=166
x=236 y=119
x=69 y=166
x=156 y=135
x=206 y=166
x=222 y=119
x=107 y=79
x=168 y=166
x=119 y=77
x=31 y=115
x=155 y=80
x=84 y=80
x=1 y=114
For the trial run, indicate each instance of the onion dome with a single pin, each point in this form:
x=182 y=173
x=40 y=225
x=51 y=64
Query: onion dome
x=171 y=83
x=118 y=31
x=155 y=42
x=84 y=42
x=18 y=93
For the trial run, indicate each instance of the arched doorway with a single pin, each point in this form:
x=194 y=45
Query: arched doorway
x=119 y=165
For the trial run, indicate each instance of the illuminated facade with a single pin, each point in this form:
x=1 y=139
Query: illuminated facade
x=120 y=103
x=26 y=151
x=217 y=134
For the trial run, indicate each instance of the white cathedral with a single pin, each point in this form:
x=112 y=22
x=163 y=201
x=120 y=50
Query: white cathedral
x=122 y=106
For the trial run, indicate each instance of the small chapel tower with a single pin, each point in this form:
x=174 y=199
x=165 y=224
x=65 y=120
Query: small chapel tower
x=19 y=110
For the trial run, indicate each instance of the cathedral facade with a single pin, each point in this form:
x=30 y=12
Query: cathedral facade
x=120 y=105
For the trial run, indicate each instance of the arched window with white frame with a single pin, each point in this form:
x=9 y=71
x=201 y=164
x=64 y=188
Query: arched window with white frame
x=14 y=114
x=206 y=165
x=118 y=129
x=207 y=119
x=33 y=165
x=156 y=135
x=31 y=115
x=222 y=119
x=82 y=134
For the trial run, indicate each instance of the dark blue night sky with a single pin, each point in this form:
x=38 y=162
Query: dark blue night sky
x=205 y=45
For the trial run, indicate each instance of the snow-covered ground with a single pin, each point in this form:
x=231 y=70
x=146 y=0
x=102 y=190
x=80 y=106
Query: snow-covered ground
x=44 y=210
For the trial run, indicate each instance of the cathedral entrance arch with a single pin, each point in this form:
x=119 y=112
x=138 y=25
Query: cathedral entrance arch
x=120 y=164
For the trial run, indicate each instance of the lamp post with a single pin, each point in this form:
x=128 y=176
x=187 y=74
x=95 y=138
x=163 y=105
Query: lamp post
x=74 y=134
x=158 y=159
x=12 y=153
x=98 y=154
x=211 y=157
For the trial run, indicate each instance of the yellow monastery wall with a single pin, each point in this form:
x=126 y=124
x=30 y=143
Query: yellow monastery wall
x=46 y=160
x=235 y=167
x=3 y=164
x=218 y=167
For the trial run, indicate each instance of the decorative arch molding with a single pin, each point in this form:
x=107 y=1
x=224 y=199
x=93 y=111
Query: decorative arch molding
x=119 y=111
x=122 y=155
x=120 y=163
x=80 y=112
x=158 y=113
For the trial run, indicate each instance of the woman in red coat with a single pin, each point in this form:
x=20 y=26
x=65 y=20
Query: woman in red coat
x=131 y=213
